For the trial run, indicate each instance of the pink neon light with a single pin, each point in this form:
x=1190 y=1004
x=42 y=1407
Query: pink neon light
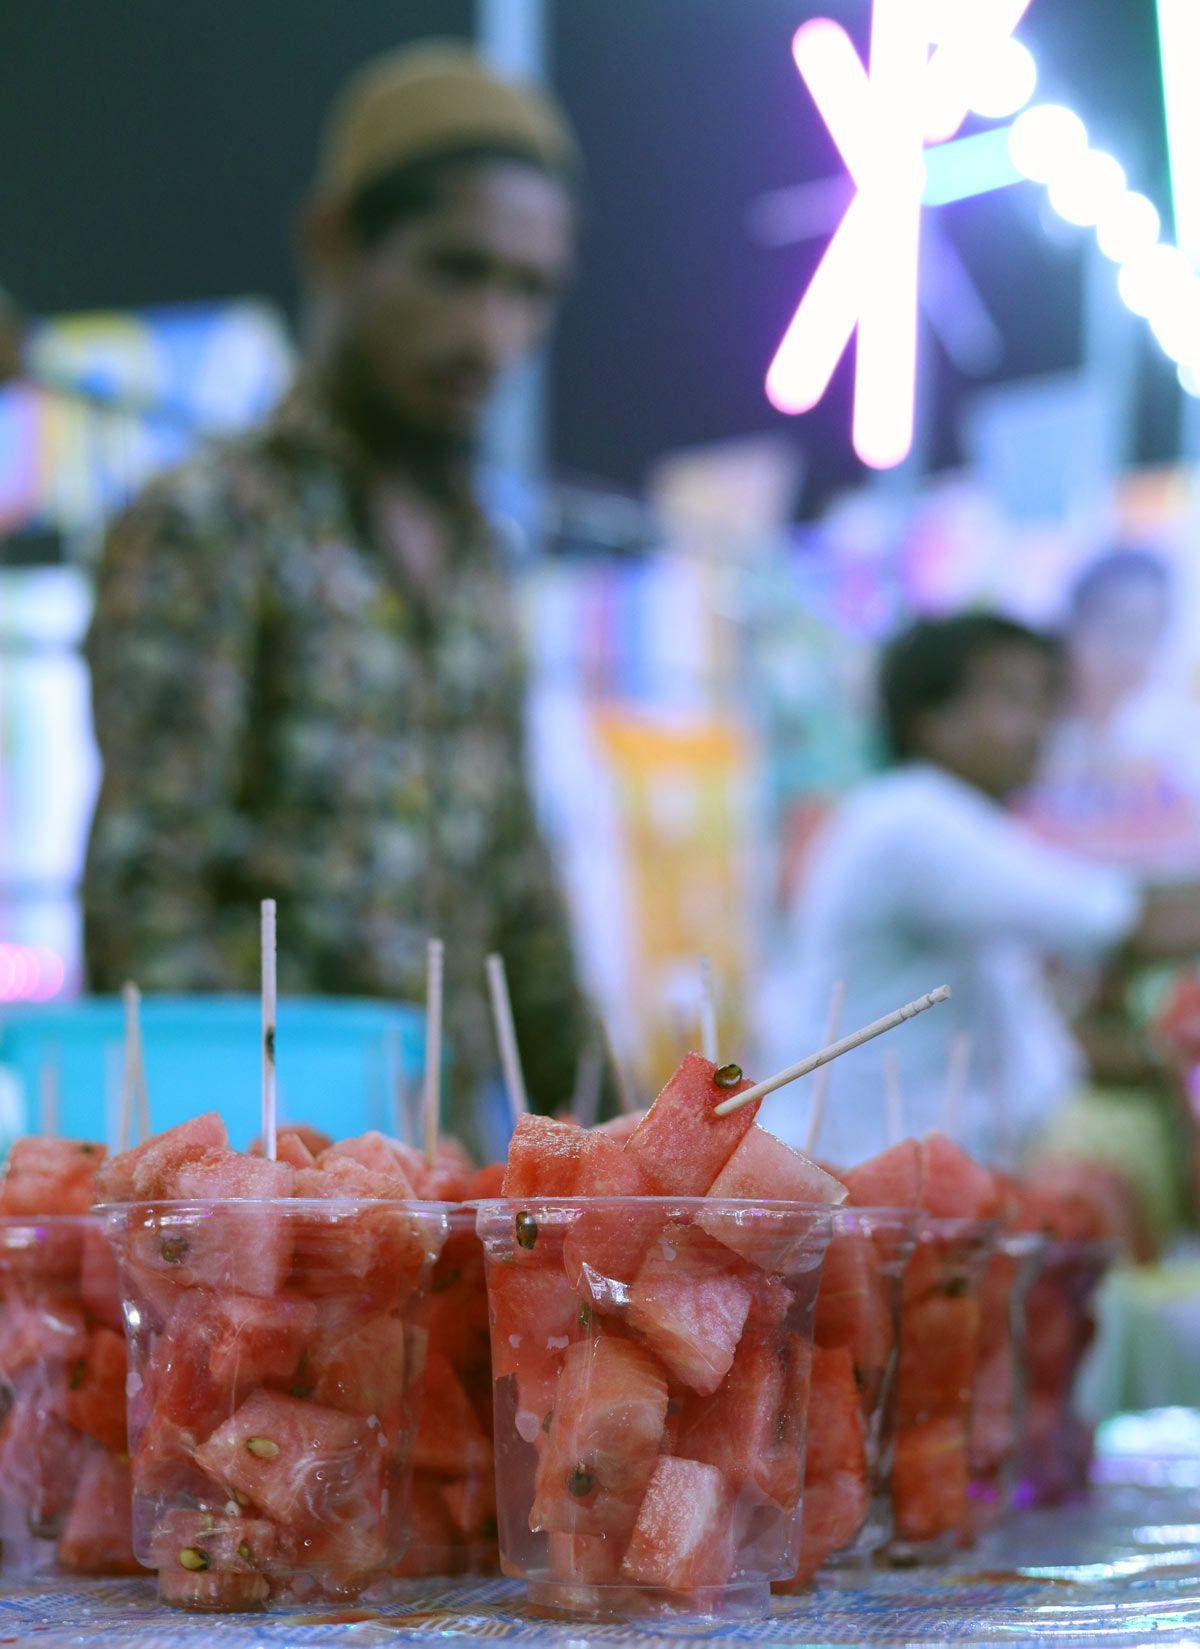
x=30 y=973
x=868 y=275
x=885 y=386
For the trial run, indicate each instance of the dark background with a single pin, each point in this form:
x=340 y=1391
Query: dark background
x=159 y=152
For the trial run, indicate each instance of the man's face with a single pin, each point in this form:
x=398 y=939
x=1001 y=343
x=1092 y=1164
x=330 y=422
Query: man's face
x=439 y=310
x=992 y=734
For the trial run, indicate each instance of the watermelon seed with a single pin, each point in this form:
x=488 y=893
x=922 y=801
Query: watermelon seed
x=580 y=1482
x=728 y=1076
x=527 y=1231
x=191 y=1557
x=439 y=1285
x=173 y=1249
x=549 y=1420
x=242 y=1499
x=262 y=1448
x=956 y=1288
x=244 y=1552
x=88 y=1150
x=78 y=1372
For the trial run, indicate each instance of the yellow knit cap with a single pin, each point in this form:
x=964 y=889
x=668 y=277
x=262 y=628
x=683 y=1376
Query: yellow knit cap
x=429 y=100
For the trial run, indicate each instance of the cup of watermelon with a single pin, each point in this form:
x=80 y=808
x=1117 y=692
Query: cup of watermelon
x=939 y=1356
x=276 y=1361
x=1059 y=1326
x=847 y=1488
x=64 y=1469
x=1000 y=1390
x=453 y=1508
x=651 y=1358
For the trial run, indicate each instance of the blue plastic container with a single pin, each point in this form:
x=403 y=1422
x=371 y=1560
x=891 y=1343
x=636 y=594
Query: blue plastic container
x=340 y=1062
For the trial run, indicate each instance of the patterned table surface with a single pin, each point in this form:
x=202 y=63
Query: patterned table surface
x=1120 y=1568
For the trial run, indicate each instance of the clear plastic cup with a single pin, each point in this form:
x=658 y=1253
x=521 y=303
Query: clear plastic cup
x=999 y=1397
x=651 y=1360
x=64 y=1465
x=847 y=1487
x=276 y=1360
x=939 y=1351
x=1059 y=1326
x=453 y=1507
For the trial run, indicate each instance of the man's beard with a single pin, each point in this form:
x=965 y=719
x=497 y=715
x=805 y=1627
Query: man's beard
x=438 y=459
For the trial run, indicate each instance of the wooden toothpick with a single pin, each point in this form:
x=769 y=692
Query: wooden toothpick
x=820 y=1093
x=835 y=1050
x=708 y=1011
x=270 y=1109
x=431 y=1102
x=893 y=1097
x=506 y=1037
x=626 y=1098
x=958 y=1069
x=133 y=1080
x=589 y=1078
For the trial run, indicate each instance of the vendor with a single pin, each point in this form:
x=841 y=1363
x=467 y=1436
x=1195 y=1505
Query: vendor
x=923 y=878
x=306 y=675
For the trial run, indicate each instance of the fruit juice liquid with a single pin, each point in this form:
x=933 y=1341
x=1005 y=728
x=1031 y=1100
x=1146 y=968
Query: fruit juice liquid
x=454 y=1480
x=940 y=1322
x=1001 y=1378
x=652 y=1360
x=847 y=1483
x=64 y=1465
x=276 y=1358
x=1059 y=1325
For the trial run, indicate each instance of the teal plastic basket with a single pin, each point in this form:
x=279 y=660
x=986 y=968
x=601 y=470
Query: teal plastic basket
x=344 y=1065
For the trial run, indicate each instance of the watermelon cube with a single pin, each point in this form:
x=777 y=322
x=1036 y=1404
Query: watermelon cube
x=688 y=1303
x=384 y=1251
x=374 y=1151
x=43 y=1329
x=535 y=1316
x=313 y=1470
x=929 y=1480
x=240 y=1245
x=893 y=1179
x=937 y=1357
x=471 y=1502
x=590 y=1559
x=764 y=1169
x=95 y=1538
x=835 y=1428
x=753 y=1425
x=856 y=1307
x=954 y=1187
x=40 y=1462
x=213 y=1592
x=96 y=1390
x=99 y=1283
x=549 y=1158
x=683 y=1537
x=49 y=1176
x=680 y=1145
x=450 y=1442
x=487 y=1182
x=434 y=1543
x=605 y=1429
x=200 y=1542
x=147 y=1172
x=356 y=1361
x=835 y=1509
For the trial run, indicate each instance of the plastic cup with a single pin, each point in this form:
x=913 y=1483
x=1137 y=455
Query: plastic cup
x=651 y=1360
x=847 y=1487
x=1000 y=1393
x=1059 y=1326
x=939 y=1349
x=453 y=1507
x=64 y=1467
x=276 y=1359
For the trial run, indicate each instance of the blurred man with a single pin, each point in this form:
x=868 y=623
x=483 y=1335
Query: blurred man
x=922 y=878
x=305 y=665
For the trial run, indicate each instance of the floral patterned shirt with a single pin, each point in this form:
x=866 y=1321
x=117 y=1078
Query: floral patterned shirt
x=280 y=712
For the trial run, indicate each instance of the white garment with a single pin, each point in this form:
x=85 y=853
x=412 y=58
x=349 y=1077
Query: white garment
x=921 y=880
